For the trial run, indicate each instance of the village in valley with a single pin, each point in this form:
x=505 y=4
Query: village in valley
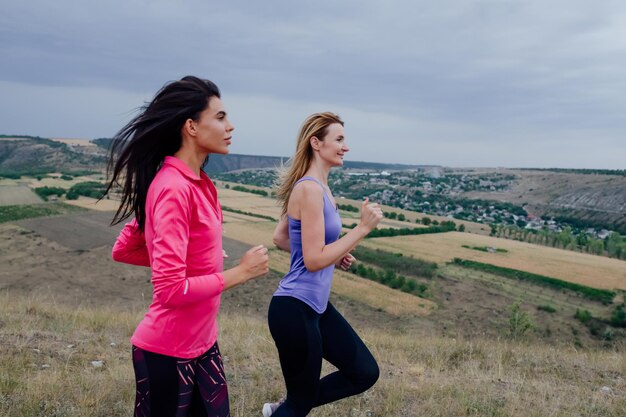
x=440 y=191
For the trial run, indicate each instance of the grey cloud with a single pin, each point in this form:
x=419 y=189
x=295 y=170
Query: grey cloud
x=532 y=69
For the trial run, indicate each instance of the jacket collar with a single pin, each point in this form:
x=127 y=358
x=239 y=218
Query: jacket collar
x=182 y=168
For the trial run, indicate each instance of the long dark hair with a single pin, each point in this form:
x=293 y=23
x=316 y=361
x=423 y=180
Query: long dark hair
x=139 y=148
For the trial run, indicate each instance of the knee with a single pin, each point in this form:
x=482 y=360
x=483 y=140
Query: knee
x=371 y=374
x=368 y=375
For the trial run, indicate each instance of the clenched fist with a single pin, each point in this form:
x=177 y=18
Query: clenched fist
x=346 y=262
x=371 y=214
x=255 y=262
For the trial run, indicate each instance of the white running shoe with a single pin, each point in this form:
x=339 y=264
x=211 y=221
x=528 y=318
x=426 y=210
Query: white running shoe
x=269 y=408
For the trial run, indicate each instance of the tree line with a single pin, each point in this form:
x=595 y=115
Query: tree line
x=613 y=246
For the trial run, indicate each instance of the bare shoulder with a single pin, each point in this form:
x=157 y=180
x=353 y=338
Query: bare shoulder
x=305 y=195
x=307 y=190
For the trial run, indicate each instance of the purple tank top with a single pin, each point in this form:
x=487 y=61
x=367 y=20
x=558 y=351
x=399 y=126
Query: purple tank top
x=312 y=288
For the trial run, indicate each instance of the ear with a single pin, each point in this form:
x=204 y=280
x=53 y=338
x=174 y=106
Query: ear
x=189 y=127
x=315 y=143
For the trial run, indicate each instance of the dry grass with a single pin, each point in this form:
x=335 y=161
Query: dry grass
x=46 y=357
x=252 y=233
x=590 y=270
x=76 y=142
x=94 y=204
x=253 y=203
x=47 y=350
x=15 y=194
x=421 y=374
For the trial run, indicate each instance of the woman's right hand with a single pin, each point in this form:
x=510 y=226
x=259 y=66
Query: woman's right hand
x=255 y=262
x=371 y=214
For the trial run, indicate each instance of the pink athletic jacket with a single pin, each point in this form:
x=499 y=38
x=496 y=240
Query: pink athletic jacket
x=182 y=242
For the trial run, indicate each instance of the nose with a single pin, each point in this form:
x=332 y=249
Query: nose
x=345 y=148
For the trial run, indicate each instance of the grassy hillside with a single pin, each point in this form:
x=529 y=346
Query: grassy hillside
x=35 y=156
x=472 y=343
x=66 y=361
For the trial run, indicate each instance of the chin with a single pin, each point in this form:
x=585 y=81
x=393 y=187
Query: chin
x=222 y=151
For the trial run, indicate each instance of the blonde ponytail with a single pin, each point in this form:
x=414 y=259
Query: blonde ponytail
x=315 y=125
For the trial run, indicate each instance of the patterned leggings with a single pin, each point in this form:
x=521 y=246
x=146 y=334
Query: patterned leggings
x=174 y=387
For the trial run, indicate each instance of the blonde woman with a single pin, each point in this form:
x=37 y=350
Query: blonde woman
x=304 y=324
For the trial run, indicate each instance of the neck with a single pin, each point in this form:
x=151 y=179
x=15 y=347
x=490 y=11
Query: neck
x=191 y=158
x=319 y=170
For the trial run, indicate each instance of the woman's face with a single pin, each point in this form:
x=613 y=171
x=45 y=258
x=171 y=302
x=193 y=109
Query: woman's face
x=333 y=147
x=213 y=129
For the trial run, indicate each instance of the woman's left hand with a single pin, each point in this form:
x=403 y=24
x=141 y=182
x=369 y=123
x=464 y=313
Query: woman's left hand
x=346 y=262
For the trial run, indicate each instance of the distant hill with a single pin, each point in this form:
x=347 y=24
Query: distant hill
x=234 y=162
x=595 y=196
x=31 y=155
x=36 y=155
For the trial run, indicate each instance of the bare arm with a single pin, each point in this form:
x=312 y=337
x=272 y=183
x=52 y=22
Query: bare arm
x=281 y=234
x=308 y=200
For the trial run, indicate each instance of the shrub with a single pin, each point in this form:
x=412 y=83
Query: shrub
x=547 y=308
x=248 y=190
x=583 y=315
x=395 y=262
x=347 y=207
x=409 y=286
x=247 y=213
x=618 y=317
x=45 y=192
x=11 y=176
x=390 y=232
x=519 y=321
x=91 y=189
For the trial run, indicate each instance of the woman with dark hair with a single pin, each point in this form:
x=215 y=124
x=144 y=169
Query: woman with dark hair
x=156 y=160
x=304 y=324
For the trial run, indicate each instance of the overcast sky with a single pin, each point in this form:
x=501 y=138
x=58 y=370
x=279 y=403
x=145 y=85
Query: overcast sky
x=513 y=83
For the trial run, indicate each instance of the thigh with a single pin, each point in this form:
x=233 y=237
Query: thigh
x=211 y=394
x=295 y=329
x=341 y=345
x=157 y=384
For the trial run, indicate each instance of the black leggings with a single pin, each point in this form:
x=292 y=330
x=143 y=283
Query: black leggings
x=174 y=387
x=303 y=337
